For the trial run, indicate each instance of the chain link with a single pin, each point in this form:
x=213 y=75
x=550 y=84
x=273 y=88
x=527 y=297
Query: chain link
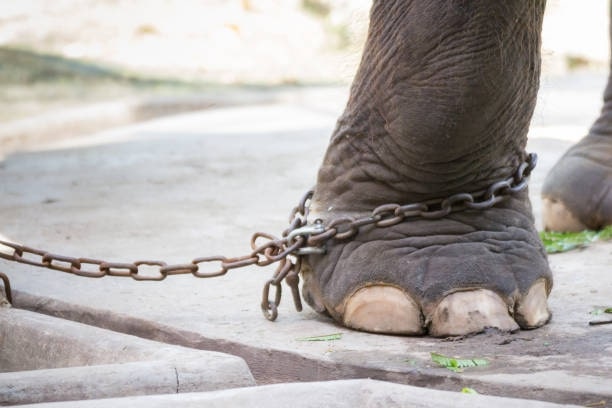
x=297 y=241
x=387 y=215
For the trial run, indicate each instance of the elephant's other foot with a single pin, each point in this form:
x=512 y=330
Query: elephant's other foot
x=447 y=277
x=577 y=193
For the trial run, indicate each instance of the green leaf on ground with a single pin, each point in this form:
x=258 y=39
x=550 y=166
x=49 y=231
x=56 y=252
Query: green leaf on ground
x=556 y=242
x=601 y=310
x=327 y=337
x=457 y=364
x=468 y=390
x=596 y=312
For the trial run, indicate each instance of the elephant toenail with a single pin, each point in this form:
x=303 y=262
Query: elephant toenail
x=383 y=309
x=470 y=311
x=557 y=217
x=532 y=310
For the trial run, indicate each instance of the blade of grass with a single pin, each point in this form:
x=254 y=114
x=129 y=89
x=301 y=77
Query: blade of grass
x=327 y=337
x=457 y=364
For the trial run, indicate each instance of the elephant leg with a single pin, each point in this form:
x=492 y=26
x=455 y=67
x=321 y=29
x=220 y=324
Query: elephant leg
x=440 y=105
x=577 y=192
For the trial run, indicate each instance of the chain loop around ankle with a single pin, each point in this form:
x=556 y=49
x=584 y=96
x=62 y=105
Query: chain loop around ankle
x=387 y=215
x=300 y=239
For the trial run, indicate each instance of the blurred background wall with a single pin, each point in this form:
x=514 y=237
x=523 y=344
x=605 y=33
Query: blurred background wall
x=250 y=41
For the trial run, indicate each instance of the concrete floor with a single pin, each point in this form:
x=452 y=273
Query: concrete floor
x=201 y=183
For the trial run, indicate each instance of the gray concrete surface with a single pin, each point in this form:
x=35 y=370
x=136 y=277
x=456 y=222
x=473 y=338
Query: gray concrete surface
x=43 y=359
x=337 y=394
x=71 y=123
x=200 y=184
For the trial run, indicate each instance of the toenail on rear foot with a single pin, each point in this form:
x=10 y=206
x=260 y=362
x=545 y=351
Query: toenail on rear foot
x=532 y=310
x=470 y=311
x=557 y=217
x=383 y=309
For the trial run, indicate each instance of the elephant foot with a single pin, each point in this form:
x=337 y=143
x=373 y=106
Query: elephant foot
x=448 y=277
x=438 y=108
x=577 y=193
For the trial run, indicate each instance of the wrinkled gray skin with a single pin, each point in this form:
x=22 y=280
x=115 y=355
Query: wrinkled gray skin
x=441 y=104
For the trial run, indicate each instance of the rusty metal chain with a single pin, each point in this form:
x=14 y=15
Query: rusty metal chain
x=7 y=287
x=387 y=215
x=298 y=240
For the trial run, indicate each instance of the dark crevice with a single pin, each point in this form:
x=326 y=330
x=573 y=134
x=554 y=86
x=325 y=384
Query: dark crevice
x=178 y=384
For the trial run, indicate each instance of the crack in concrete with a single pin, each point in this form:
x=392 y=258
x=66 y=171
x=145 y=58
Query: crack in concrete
x=178 y=384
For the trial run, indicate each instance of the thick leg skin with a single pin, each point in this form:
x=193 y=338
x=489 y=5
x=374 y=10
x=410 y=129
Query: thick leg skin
x=577 y=193
x=440 y=105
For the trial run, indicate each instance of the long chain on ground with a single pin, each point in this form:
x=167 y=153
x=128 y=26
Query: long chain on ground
x=298 y=240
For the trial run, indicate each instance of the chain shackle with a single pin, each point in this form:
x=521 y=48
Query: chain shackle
x=387 y=215
x=298 y=240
